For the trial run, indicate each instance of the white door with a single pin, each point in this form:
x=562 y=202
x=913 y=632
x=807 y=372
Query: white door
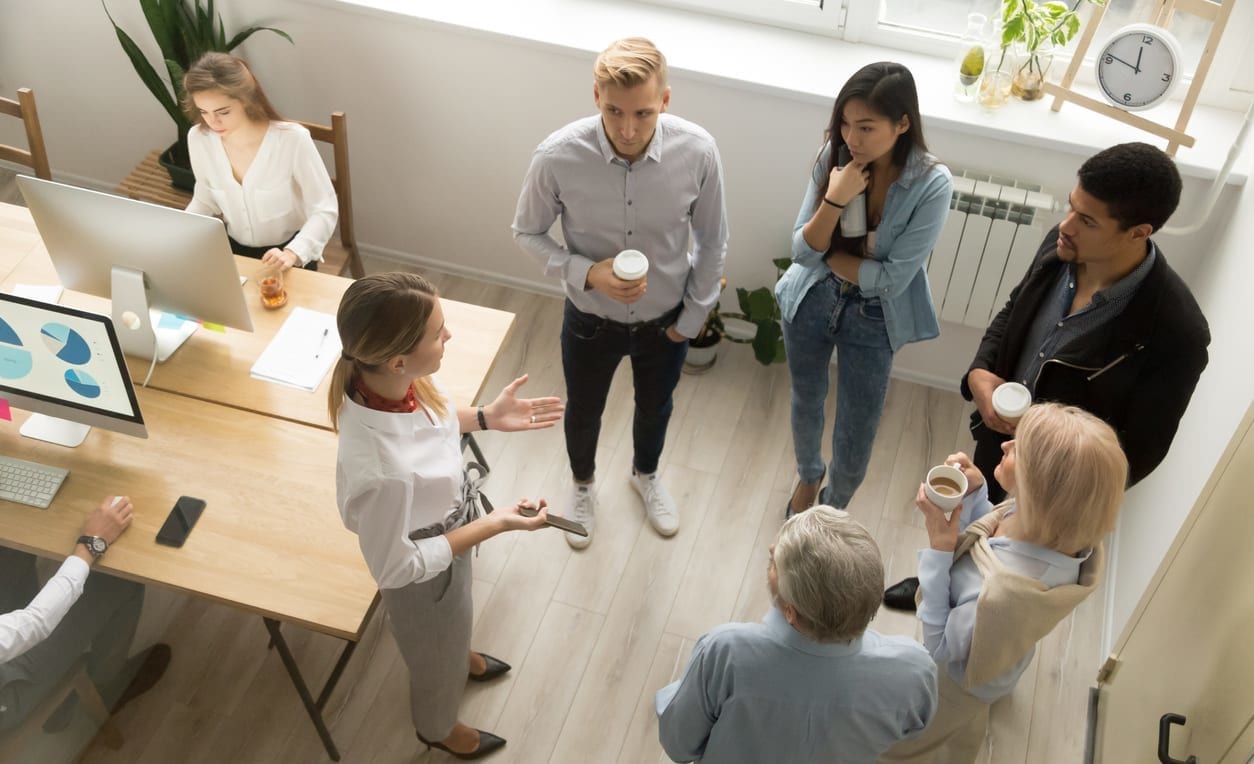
x=1188 y=649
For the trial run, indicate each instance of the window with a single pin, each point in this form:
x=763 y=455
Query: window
x=934 y=26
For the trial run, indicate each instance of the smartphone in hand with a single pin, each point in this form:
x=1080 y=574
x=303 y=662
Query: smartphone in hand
x=556 y=521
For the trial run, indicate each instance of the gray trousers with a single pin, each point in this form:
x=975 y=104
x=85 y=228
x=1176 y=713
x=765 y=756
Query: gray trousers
x=431 y=623
x=102 y=623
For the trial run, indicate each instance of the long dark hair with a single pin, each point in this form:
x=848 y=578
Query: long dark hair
x=888 y=88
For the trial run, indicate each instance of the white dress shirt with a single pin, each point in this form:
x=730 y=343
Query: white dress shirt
x=23 y=629
x=607 y=204
x=396 y=473
x=286 y=189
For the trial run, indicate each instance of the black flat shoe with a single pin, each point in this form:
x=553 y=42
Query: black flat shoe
x=788 y=505
x=900 y=596
x=495 y=668
x=488 y=744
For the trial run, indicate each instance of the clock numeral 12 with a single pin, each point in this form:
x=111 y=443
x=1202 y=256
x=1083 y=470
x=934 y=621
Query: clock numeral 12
x=1147 y=39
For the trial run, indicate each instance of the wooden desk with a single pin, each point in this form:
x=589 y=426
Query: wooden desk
x=270 y=540
x=214 y=366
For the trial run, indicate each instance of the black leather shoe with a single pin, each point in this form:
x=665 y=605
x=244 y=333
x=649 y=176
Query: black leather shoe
x=495 y=668
x=488 y=744
x=900 y=596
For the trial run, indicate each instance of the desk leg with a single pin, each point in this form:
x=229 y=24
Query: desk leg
x=347 y=653
x=314 y=710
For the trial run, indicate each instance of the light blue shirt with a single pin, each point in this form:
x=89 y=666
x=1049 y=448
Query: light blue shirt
x=951 y=591
x=915 y=209
x=607 y=204
x=762 y=692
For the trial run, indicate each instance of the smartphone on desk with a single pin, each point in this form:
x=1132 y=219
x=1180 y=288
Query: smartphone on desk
x=556 y=521
x=180 y=521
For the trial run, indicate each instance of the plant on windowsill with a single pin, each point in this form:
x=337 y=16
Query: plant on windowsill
x=184 y=30
x=757 y=307
x=1038 y=30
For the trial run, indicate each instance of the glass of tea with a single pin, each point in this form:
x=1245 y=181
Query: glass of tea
x=270 y=283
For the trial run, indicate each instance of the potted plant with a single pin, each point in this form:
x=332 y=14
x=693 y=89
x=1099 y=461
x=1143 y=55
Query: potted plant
x=1038 y=29
x=757 y=308
x=184 y=30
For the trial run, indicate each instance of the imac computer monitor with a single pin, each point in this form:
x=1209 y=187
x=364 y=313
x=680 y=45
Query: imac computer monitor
x=141 y=256
x=66 y=367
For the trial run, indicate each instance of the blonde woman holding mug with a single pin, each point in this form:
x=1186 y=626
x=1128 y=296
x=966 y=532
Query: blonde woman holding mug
x=400 y=487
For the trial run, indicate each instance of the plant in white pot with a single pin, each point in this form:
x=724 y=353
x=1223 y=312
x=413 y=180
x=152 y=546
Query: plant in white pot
x=759 y=310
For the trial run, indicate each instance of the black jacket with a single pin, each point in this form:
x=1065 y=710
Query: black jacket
x=1137 y=371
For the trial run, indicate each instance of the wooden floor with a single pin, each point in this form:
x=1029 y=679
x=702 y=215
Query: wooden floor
x=592 y=634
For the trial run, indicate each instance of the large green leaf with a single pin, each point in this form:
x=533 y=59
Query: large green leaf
x=158 y=24
x=239 y=38
x=767 y=343
x=782 y=264
x=176 y=73
x=147 y=74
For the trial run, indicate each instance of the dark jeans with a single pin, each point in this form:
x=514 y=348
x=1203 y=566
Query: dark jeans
x=247 y=250
x=987 y=456
x=591 y=350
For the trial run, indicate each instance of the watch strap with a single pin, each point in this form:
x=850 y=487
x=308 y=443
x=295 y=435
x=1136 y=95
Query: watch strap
x=90 y=543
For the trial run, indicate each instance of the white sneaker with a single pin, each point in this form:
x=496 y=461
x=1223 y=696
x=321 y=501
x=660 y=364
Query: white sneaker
x=659 y=507
x=583 y=506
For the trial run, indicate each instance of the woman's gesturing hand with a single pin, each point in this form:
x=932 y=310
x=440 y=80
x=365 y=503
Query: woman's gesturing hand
x=510 y=413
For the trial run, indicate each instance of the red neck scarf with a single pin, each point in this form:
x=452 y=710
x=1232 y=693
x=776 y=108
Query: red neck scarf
x=373 y=400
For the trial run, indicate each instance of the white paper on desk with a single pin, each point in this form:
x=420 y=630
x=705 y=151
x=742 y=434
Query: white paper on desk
x=302 y=352
x=50 y=294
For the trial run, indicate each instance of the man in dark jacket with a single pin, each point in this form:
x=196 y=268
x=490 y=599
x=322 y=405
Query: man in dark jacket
x=1100 y=321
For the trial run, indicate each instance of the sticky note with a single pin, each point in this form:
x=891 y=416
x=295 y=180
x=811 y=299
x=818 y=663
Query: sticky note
x=5 y=414
x=169 y=321
x=214 y=327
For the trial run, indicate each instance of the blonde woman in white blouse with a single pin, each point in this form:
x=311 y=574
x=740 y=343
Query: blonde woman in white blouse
x=261 y=175
x=400 y=487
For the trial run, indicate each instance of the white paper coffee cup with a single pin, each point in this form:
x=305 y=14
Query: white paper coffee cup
x=945 y=486
x=1011 y=400
x=631 y=265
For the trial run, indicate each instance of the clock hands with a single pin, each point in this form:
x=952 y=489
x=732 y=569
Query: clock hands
x=1138 y=59
x=1134 y=67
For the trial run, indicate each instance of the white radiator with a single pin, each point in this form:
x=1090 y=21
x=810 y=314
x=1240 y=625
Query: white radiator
x=994 y=227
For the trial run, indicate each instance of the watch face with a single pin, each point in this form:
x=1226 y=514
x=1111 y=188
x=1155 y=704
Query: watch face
x=1137 y=68
x=98 y=545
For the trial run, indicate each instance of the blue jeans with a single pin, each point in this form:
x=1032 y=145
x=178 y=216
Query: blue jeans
x=834 y=314
x=592 y=348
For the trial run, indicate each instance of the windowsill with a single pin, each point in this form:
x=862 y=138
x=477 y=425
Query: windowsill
x=810 y=68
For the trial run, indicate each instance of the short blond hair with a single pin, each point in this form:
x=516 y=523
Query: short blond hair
x=630 y=62
x=1070 y=475
x=828 y=568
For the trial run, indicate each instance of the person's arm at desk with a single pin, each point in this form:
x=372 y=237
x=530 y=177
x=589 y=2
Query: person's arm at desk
x=22 y=629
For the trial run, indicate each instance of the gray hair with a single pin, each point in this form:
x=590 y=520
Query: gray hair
x=828 y=568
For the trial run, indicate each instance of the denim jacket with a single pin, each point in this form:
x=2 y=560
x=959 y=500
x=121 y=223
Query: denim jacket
x=914 y=212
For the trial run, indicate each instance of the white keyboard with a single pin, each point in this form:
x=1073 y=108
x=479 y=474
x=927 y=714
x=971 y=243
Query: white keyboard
x=28 y=482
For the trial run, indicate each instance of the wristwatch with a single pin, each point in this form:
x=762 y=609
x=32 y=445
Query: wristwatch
x=96 y=545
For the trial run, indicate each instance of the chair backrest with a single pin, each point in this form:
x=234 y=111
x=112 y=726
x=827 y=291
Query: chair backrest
x=336 y=134
x=37 y=157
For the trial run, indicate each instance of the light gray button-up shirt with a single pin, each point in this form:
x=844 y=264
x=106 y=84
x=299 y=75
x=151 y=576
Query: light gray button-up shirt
x=761 y=692
x=607 y=204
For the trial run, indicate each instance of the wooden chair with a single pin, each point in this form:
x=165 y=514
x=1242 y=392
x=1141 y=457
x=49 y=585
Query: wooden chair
x=76 y=681
x=37 y=157
x=345 y=251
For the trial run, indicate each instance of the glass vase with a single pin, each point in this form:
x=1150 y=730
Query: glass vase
x=970 y=61
x=1029 y=80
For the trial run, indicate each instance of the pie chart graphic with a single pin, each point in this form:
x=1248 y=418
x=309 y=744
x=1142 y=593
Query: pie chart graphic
x=66 y=344
x=15 y=361
x=82 y=383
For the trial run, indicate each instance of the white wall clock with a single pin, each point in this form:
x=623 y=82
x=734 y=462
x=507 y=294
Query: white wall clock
x=1138 y=66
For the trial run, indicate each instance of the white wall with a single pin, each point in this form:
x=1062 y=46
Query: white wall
x=442 y=123
x=1157 y=506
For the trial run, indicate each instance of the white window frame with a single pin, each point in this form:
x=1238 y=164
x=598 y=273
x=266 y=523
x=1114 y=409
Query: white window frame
x=858 y=21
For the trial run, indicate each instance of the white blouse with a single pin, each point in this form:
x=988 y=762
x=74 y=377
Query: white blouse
x=23 y=629
x=286 y=189
x=396 y=473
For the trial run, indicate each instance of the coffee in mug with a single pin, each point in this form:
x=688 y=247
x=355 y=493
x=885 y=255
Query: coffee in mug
x=631 y=265
x=945 y=486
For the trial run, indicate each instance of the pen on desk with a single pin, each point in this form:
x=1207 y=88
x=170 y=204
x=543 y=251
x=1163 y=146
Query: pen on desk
x=321 y=341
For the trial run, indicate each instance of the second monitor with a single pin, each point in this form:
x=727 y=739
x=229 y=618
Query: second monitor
x=140 y=256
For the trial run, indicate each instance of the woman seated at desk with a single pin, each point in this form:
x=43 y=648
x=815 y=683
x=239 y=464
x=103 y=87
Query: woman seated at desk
x=261 y=175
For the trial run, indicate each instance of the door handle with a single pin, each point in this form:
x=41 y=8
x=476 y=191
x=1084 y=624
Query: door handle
x=1164 y=739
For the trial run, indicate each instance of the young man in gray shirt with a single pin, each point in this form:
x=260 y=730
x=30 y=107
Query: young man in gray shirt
x=631 y=177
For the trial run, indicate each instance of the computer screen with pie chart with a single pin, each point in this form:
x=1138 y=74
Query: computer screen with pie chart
x=66 y=367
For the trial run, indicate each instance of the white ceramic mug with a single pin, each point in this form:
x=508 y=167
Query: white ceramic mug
x=945 y=486
x=631 y=265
